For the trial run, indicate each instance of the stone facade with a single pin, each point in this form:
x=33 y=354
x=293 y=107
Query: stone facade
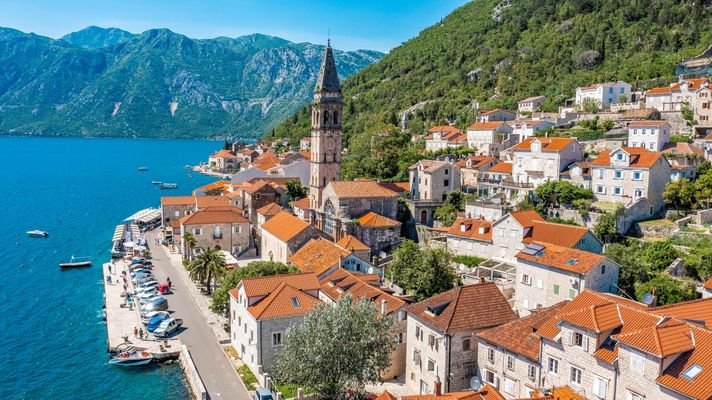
x=604 y=94
x=432 y=180
x=274 y=249
x=232 y=237
x=515 y=376
x=651 y=135
x=538 y=164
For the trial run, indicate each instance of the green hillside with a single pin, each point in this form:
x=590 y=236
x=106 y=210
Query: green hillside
x=497 y=52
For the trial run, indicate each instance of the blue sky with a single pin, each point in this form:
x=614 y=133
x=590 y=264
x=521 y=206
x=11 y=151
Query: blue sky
x=354 y=24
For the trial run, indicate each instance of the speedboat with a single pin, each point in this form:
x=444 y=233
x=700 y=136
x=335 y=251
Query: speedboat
x=37 y=233
x=131 y=359
x=166 y=185
x=76 y=262
x=156 y=182
x=142 y=169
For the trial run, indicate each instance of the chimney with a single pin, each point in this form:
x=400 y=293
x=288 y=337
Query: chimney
x=654 y=303
x=437 y=387
x=384 y=307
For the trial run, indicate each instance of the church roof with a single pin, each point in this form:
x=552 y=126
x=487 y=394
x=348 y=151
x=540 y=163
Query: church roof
x=328 y=79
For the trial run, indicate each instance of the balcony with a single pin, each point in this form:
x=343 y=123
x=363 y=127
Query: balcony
x=217 y=235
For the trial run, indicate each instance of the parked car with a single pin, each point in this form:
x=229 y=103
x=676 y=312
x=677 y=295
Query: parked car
x=148 y=299
x=143 y=279
x=167 y=327
x=140 y=271
x=139 y=266
x=155 y=322
x=159 y=304
x=146 y=289
x=146 y=317
x=164 y=288
x=147 y=295
x=262 y=394
x=137 y=260
x=152 y=283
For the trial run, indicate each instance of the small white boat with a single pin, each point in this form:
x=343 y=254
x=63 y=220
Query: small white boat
x=156 y=182
x=77 y=262
x=165 y=185
x=37 y=233
x=131 y=359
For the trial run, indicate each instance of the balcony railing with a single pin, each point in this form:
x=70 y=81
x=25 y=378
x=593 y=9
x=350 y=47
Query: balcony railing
x=217 y=235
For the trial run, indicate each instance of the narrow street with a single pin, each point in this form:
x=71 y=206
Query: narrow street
x=216 y=371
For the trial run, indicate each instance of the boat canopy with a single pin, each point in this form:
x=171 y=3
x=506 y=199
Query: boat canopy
x=145 y=216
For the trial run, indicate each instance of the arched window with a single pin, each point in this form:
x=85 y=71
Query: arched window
x=329 y=218
x=326 y=117
x=336 y=117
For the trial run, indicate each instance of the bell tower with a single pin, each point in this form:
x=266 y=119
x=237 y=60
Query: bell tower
x=325 y=129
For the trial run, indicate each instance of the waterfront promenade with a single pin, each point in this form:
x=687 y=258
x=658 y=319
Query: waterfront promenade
x=215 y=369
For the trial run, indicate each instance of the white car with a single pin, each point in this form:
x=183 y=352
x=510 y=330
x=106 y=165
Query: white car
x=140 y=279
x=146 y=317
x=149 y=284
x=167 y=327
x=142 y=292
x=149 y=299
x=141 y=272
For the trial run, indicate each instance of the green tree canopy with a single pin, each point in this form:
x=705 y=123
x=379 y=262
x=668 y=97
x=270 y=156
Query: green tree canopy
x=208 y=265
x=336 y=350
x=659 y=255
x=680 y=194
x=422 y=272
x=561 y=192
x=215 y=192
x=668 y=290
x=605 y=227
x=221 y=297
x=295 y=190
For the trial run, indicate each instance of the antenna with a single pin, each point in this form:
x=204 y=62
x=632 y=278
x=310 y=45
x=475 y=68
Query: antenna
x=648 y=299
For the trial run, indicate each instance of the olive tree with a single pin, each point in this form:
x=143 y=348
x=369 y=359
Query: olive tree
x=337 y=350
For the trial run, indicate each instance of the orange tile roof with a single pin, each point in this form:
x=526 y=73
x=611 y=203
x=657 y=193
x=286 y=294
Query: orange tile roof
x=468 y=307
x=261 y=286
x=221 y=184
x=471 y=229
x=285 y=301
x=223 y=154
x=266 y=161
x=177 y=200
x=270 y=209
x=215 y=215
x=398 y=187
x=557 y=393
x=564 y=258
x=301 y=203
x=285 y=226
x=476 y=162
x=699 y=310
x=503 y=168
x=487 y=392
x=318 y=256
x=342 y=283
x=444 y=129
x=682 y=148
x=596 y=317
x=658 y=90
x=547 y=144
x=662 y=340
x=492 y=111
x=558 y=234
x=647 y=123
x=527 y=218
x=640 y=157
x=350 y=243
x=358 y=189
x=386 y=395
x=212 y=201
x=305 y=154
x=374 y=220
x=519 y=336
x=699 y=387
x=486 y=126
x=708 y=283
x=257 y=186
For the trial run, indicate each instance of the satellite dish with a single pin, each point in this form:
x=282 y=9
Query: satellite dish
x=648 y=299
x=370 y=270
x=475 y=383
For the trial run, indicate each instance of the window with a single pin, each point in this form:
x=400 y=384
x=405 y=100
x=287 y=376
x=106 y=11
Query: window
x=431 y=365
x=634 y=396
x=619 y=156
x=277 y=339
x=238 y=229
x=577 y=339
x=416 y=357
x=600 y=174
x=618 y=175
x=447 y=171
x=176 y=213
x=603 y=269
x=553 y=365
x=600 y=387
x=197 y=231
x=617 y=190
x=575 y=376
x=419 y=333
x=556 y=289
x=600 y=189
x=490 y=355
x=622 y=90
x=526 y=279
x=637 y=363
x=539 y=283
x=651 y=146
x=489 y=376
x=637 y=175
x=446 y=182
x=510 y=363
x=470 y=369
x=465 y=344
x=295 y=302
x=638 y=193
x=531 y=372
x=572 y=293
x=508 y=386
x=692 y=372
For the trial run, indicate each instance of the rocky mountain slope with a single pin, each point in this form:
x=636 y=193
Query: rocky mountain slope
x=107 y=82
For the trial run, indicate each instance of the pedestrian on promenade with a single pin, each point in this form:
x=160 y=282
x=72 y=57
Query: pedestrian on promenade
x=168 y=279
x=135 y=331
x=140 y=333
x=109 y=268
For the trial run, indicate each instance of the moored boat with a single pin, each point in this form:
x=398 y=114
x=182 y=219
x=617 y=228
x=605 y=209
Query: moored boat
x=142 y=169
x=166 y=185
x=76 y=262
x=156 y=182
x=37 y=233
x=131 y=359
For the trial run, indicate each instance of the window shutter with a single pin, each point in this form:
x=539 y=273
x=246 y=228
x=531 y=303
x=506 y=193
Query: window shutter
x=585 y=343
x=571 y=338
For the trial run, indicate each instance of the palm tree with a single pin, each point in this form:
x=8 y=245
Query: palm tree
x=190 y=240
x=209 y=265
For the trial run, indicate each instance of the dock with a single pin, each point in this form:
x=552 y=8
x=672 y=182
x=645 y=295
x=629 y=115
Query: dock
x=121 y=320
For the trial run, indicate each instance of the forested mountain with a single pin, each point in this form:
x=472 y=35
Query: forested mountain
x=108 y=82
x=496 y=52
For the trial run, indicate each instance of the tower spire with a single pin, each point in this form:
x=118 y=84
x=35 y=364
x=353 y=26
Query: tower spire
x=328 y=80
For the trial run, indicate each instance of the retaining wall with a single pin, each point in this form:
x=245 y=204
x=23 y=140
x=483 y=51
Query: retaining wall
x=191 y=373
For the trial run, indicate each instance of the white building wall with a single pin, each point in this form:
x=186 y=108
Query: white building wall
x=513 y=383
x=416 y=372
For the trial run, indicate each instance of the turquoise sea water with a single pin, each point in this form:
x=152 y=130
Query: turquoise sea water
x=52 y=337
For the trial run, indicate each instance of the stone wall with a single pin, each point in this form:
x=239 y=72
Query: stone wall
x=674 y=118
x=703 y=217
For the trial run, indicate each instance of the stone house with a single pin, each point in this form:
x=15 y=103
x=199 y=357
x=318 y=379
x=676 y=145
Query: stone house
x=675 y=96
x=496 y=114
x=578 y=173
x=610 y=347
x=224 y=161
x=342 y=282
x=301 y=208
x=496 y=181
x=441 y=349
x=683 y=159
x=540 y=160
x=322 y=257
x=651 y=135
x=176 y=207
x=702 y=107
x=444 y=137
x=430 y=182
x=526 y=128
x=548 y=274
x=223 y=227
x=470 y=169
x=488 y=137
x=258 y=195
x=381 y=234
x=508 y=356
x=630 y=174
x=283 y=235
x=262 y=309
x=603 y=94
x=265 y=213
x=530 y=104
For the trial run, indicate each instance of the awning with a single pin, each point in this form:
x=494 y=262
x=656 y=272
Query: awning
x=145 y=216
x=118 y=233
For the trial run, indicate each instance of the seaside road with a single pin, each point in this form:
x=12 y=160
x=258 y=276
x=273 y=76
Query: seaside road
x=218 y=375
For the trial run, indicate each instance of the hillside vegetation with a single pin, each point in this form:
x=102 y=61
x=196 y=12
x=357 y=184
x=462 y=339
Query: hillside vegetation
x=497 y=52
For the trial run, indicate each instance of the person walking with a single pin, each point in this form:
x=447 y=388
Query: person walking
x=135 y=331
x=140 y=333
x=168 y=279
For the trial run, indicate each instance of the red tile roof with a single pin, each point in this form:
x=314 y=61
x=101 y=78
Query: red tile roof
x=212 y=201
x=558 y=234
x=221 y=184
x=647 y=123
x=285 y=226
x=476 y=162
x=284 y=301
x=374 y=220
x=708 y=283
x=359 y=189
x=318 y=256
x=342 y=282
x=640 y=157
x=264 y=285
x=503 y=168
x=215 y=215
x=662 y=340
x=223 y=154
x=487 y=392
x=486 y=126
x=519 y=336
x=350 y=243
x=699 y=310
x=526 y=218
x=177 y=200
x=564 y=258
x=301 y=203
x=470 y=228
x=270 y=209
x=547 y=144
x=464 y=308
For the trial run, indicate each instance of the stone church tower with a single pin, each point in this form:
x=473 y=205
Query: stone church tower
x=326 y=129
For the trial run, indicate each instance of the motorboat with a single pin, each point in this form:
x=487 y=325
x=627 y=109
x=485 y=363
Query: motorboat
x=37 y=233
x=166 y=185
x=156 y=182
x=76 y=262
x=142 y=169
x=131 y=359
